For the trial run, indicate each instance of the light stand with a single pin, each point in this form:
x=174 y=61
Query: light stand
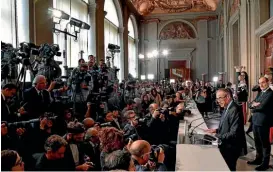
x=73 y=22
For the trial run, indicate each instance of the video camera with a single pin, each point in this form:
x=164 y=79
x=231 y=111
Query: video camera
x=25 y=124
x=155 y=151
x=47 y=51
x=114 y=48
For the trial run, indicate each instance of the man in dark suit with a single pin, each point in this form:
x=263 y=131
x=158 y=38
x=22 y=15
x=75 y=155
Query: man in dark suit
x=8 y=91
x=262 y=120
x=36 y=100
x=231 y=129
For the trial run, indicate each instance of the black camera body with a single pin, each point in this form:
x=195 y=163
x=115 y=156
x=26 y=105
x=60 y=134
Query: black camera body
x=155 y=150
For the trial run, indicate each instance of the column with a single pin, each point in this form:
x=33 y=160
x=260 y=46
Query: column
x=122 y=59
x=202 y=48
x=92 y=31
x=204 y=77
x=137 y=59
x=100 y=30
x=226 y=47
x=243 y=32
x=141 y=49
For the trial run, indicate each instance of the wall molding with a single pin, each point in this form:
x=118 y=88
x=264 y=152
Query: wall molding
x=265 y=28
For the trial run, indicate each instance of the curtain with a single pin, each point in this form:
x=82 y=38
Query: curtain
x=22 y=7
x=79 y=10
x=111 y=36
x=132 y=56
x=8 y=22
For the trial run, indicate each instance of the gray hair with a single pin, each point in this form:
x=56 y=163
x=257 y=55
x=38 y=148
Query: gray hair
x=37 y=79
x=88 y=133
x=127 y=113
x=137 y=100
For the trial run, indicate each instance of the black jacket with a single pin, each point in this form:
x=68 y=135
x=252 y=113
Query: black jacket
x=68 y=156
x=33 y=104
x=5 y=113
x=262 y=114
x=231 y=130
x=41 y=163
x=93 y=152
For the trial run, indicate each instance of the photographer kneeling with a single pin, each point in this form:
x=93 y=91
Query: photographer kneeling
x=140 y=151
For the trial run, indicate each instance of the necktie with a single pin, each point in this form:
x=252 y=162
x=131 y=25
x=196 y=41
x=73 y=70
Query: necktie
x=41 y=95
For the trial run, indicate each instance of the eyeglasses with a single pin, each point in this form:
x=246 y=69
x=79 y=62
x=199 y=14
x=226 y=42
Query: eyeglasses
x=20 y=162
x=220 y=98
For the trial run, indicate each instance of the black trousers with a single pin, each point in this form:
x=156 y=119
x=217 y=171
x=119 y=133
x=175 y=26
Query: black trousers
x=262 y=143
x=231 y=157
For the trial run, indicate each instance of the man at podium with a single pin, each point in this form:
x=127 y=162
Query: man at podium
x=230 y=130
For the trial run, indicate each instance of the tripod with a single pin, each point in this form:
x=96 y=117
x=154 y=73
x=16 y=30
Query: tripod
x=22 y=74
x=78 y=106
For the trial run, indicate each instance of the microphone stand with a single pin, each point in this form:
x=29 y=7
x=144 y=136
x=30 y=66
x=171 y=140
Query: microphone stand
x=189 y=126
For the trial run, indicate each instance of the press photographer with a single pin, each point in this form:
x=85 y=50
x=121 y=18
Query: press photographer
x=48 y=66
x=157 y=125
x=81 y=85
x=141 y=153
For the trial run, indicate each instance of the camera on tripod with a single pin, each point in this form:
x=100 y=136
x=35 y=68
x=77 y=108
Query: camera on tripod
x=47 y=51
x=113 y=48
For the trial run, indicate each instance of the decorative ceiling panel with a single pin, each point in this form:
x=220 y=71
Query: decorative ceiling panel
x=146 y=7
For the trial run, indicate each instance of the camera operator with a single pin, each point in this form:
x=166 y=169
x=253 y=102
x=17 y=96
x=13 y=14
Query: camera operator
x=36 y=100
x=39 y=131
x=174 y=118
x=157 y=126
x=8 y=91
x=81 y=85
x=74 y=154
x=53 y=158
x=140 y=151
x=91 y=62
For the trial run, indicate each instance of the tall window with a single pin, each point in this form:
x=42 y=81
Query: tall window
x=111 y=34
x=8 y=22
x=131 y=49
x=15 y=24
x=77 y=9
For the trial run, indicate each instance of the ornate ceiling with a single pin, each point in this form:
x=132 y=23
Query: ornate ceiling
x=146 y=7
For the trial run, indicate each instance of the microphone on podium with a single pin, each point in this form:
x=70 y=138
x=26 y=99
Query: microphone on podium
x=189 y=126
x=207 y=138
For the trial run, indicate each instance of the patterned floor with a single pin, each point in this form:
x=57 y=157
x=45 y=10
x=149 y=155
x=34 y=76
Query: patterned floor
x=241 y=164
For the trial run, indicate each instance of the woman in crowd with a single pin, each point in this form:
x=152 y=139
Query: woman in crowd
x=145 y=103
x=111 y=139
x=155 y=97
